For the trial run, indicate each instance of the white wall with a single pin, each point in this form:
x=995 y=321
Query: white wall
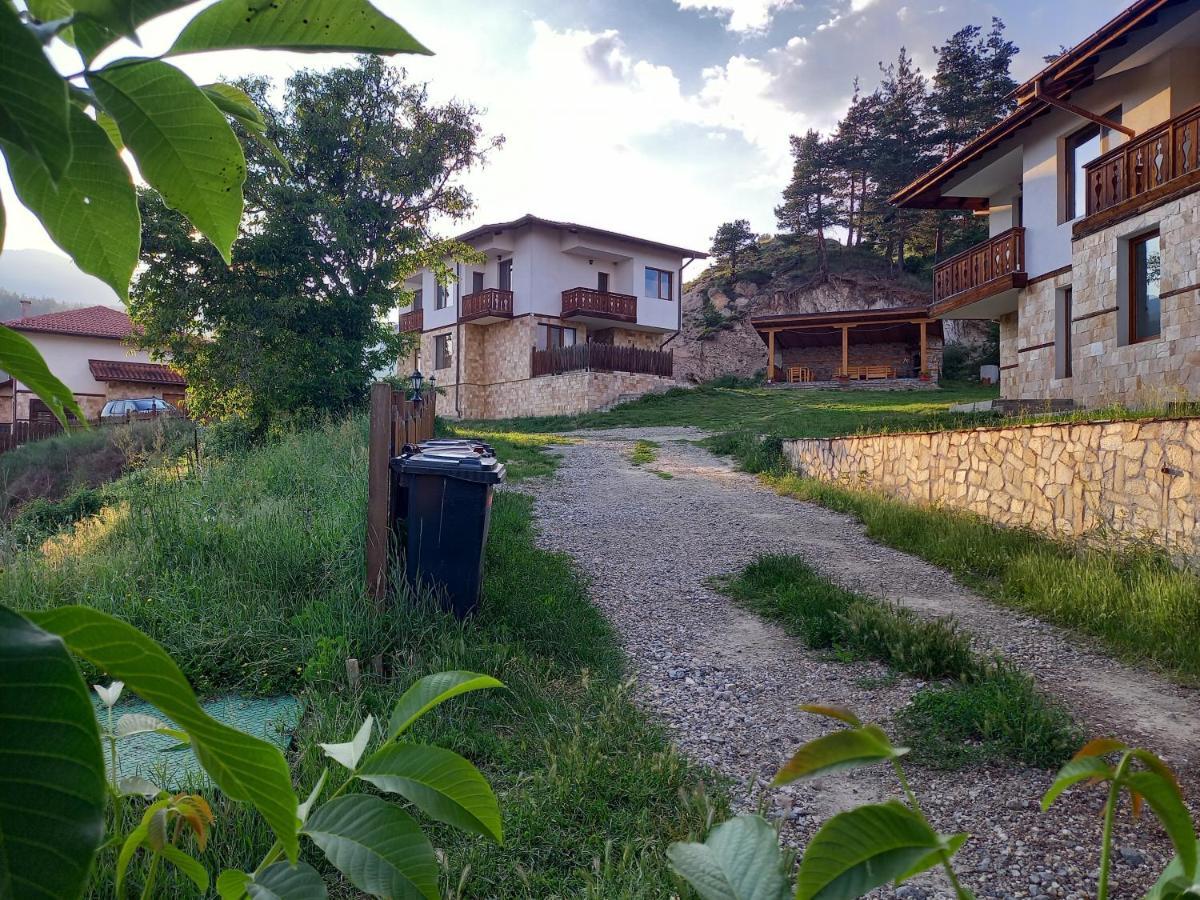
x=67 y=356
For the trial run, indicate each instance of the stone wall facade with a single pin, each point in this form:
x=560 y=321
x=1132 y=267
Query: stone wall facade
x=1106 y=367
x=489 y=376
x=1129 y=480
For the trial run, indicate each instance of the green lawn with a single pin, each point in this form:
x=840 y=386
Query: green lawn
x=780 y=411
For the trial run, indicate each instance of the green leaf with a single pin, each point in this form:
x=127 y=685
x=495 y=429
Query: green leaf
x=1100 y=747
x=431 y=691
x=105 y=121
x=136 y=839
x=195 y=872
x=1082 y=768
x=839 y=750
x=284 y=882
x=832 y=712
x=1174 y=884
x=183 y=146
x=740 y=860
x=950 y=845
x=91 y=35
x=52 y=779
x=233 y=101
x=92 y=212
x=377 y=846
x=33 y=98
x=353 y=26
x=245 y=768
x=1164 y=798
x=859 y=850
x=115 y=15
x=349 y=753
x=21 y=360
x=231 y=884
x=440 y=782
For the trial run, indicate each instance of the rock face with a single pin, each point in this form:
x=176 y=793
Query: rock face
x=717 y=337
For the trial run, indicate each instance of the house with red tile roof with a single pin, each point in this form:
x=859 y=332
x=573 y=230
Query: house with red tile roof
x=89 y=350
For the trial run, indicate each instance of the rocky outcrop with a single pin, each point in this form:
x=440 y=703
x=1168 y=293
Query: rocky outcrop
x=718 y=340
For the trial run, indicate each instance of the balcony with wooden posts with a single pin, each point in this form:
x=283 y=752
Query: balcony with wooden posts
x=982 y=282
x=588 y=303
x=414 y=320
x=600 y=358
x=1142 y=173
x=488 y=305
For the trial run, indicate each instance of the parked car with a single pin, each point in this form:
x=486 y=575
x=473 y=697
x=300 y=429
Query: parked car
x=118 y=411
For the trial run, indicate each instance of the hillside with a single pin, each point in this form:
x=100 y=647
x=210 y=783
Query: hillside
x=38 y=273
x=781 y=277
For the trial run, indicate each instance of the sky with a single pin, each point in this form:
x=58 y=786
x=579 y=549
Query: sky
x=661 y=118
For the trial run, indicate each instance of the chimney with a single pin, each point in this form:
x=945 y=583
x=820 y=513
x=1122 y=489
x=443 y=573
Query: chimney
x=26 y=308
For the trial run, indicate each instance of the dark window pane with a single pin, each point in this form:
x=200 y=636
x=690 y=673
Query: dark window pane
x=1147 y=275
x=651 y=282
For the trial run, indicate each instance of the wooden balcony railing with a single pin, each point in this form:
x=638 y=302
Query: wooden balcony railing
x=413 y=320
x=486 y=303
x=995 y=265
x=601 y=358
x=581 y=301
x=1147 y=166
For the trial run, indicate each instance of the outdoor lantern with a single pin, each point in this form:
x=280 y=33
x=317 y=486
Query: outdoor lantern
x=416 y=381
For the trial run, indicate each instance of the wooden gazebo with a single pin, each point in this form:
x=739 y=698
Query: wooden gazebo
x=874 y=343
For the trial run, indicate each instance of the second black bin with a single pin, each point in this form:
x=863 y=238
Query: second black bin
x=444 y=497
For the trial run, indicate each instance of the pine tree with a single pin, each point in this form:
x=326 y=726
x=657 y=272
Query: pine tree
x=731 y=240
x=809 y=205
x=972 y=86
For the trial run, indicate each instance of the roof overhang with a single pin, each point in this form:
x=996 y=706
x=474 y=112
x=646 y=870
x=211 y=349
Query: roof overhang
x=496 y=232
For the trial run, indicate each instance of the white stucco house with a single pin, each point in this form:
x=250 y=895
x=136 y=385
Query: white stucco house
x=557 y=318
x=88 y=350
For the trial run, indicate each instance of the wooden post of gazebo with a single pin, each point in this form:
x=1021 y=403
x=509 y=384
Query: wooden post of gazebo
x=770 y=356
x=924 y=351
x=845 y=349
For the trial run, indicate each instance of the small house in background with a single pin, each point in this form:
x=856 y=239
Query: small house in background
x=560 y=318
x=1091 y=187
x=88 y=350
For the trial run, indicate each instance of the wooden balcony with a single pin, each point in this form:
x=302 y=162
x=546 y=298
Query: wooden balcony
x=601 y=358
x=488 y=305
x=589 y=303
x=981 y=282
x=1145 y=171
x=412 y=321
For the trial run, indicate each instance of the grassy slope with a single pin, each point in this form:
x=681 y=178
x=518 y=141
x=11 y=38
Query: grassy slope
x=250 y=573
x=779 y=411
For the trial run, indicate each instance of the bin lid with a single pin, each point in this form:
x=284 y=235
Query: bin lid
x=456 y=443
x=465 y=464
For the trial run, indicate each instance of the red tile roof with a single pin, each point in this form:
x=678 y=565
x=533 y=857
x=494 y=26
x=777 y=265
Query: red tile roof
x=146 y=373
x=90 y=321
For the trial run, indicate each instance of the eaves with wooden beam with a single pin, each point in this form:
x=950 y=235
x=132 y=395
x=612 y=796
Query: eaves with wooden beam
x=1049 y=89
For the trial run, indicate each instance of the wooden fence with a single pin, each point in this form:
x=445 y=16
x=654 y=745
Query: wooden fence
x=601 y=358
x=395 y=421
x=26 y=432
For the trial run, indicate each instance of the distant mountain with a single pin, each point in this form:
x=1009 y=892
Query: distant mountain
x=38 y=273
x=10 y=305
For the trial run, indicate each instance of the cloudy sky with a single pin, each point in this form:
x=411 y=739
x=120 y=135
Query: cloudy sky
x=658 y=117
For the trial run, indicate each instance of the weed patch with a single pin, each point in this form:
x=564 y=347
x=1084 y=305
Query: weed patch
x=644 y=452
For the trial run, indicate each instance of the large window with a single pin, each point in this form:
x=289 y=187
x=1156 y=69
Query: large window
x=443 y=297
x=1145 y=276
x=551 y=336
x=443 y=351
x=1062 y=332
x=1080 y=149
x=658 y=283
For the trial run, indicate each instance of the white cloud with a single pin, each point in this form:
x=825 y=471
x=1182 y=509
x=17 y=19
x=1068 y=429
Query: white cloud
x=742 y=15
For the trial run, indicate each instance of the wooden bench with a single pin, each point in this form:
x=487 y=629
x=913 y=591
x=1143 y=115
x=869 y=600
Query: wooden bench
x=799 y=374
x=863 y=373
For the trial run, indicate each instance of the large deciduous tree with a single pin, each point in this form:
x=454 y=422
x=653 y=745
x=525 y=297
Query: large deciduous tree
x=298 y=323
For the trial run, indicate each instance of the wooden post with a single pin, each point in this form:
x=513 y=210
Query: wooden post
x=379 y=453
x=924 y=351
x=770 y=356
x=845 y=349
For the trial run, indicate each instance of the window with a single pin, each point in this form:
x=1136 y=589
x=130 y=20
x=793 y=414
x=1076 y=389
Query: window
x=443 y=351
x=658 y=283
x=553 y=336
x=476 y=282
x=602 y=282
x=1145 y=275
x=443 y=297
x=418 y=298
x=1080 y=149
x=1062 y=333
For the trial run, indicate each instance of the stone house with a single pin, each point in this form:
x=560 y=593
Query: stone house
x=1091 y=187
x=88 y=350
x=559 y=318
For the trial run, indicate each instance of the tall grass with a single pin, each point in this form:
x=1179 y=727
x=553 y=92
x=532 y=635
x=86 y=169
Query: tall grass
x=249 y=570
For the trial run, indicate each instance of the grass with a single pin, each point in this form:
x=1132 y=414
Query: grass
x=524 y=453
x=984 y=709
x=249 y=570
x=644 y=452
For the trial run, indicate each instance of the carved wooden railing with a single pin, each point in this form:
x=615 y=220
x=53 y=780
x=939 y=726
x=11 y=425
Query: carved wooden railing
x=488 y=302
x=412 y=321
x=1145 y=163
x=603 y=304
x=980 y=265
x=601 y=358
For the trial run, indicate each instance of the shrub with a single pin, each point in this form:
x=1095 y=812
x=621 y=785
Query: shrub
x=754 y=453
x=927 y=648
x=41 y=517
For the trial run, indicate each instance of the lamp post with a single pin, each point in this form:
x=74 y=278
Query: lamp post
x=415 y=382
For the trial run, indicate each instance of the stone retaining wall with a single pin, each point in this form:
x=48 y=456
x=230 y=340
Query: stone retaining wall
x=1131 y=480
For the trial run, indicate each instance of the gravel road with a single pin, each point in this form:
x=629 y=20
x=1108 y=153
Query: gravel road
x=727 y=684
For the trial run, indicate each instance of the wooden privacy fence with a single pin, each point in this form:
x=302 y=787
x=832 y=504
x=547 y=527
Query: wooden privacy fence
x=600 y=358
x=26 y=432
x=395 y=421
